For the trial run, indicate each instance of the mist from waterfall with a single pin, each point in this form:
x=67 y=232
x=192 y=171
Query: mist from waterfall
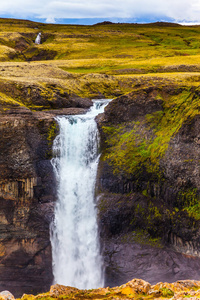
x=74 y=233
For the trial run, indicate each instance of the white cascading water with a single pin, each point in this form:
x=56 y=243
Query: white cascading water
x=38 y=39
x=74 y=233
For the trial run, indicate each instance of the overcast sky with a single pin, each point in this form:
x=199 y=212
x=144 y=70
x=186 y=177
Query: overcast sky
x=50 y=10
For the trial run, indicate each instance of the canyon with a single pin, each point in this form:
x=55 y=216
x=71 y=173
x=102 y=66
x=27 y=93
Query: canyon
x=147 y=189
x=144 y=232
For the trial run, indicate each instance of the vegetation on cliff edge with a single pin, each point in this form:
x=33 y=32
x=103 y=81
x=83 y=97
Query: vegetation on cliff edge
x=136 y=145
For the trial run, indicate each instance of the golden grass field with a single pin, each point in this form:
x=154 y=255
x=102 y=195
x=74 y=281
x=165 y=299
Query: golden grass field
x=103 y=59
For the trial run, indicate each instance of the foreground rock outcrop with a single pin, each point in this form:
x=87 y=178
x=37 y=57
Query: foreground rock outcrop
x=134 y=289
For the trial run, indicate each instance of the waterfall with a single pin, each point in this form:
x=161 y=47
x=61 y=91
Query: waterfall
x=74 y=233
x=38 y=39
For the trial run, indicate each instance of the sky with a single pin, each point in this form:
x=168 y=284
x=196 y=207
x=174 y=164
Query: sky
x=57 y=11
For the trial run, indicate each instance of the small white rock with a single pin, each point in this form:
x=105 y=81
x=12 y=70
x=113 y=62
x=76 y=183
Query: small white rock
x=7 y=295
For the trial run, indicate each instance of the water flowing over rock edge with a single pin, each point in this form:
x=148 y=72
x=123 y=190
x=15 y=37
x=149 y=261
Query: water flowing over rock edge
x=74 y=232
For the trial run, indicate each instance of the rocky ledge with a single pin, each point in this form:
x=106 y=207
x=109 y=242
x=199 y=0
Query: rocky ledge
x=134 y=289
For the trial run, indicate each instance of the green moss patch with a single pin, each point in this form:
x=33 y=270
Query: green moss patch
x=133 y=147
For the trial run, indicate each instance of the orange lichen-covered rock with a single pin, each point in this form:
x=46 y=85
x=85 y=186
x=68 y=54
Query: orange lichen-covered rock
x=100 y=291
x=135 y=286
x=178 y=286
x=135 y=289
x=57 y=290
x=182 y=288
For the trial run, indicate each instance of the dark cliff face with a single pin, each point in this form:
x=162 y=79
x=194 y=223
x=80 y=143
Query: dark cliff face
x=28 y=194
x=148 y=183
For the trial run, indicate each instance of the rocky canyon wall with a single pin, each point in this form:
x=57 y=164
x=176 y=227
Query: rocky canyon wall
x=27 y=194
x=28 y=191
x=149 y=185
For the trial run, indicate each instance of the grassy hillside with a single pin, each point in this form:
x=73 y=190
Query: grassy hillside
x=100 y=60
x=130 y=45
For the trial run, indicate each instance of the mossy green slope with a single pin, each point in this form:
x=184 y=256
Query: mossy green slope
x=142 y=144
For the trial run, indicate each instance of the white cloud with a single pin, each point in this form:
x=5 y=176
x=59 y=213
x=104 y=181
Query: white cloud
x=188 y=10
x=50 y=19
